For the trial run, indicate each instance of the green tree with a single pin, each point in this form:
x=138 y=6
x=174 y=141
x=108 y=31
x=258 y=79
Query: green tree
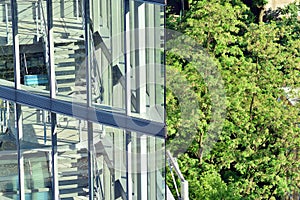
x=256 y=155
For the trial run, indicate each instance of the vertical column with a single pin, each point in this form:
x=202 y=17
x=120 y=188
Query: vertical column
x=88 y=63
x=7 y=117
x=88 y=51
x=18 y=111
x=126 y=36
x=151 y=159
x=160 y=167
x=184 y=191
x=18 y=126
x=116 y=52
x=141 y=57
x=141 y=98
x=77 y=9
x=96 y=15
x=134 y=166
x=143 y=168
x=16 y=48
x=54 y=154
x=151 y=33
x=2 y=114
x=6 y=22
x=37 y=6
x=51 y=71
x=128 y=166
x=51 y=66
x=91 y=160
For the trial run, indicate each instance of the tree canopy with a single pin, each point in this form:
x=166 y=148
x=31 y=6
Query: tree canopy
x=256 y=153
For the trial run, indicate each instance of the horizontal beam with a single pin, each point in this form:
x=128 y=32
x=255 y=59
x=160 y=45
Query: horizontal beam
x=162 y=2
x=81 y=111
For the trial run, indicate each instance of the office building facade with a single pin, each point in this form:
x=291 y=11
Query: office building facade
x=82 y=99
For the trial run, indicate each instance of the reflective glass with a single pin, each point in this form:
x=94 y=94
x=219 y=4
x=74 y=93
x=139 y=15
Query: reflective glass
x=108 y=67
x=36 y=152
x=69 y=50
x=72 y=157
x=147 y=60
x=131 y=163
x=8 y=152
x=6 y=48
x=110 y=162
x=122 y=162
x=32 y=36
x=147 y=167
x=160 y=160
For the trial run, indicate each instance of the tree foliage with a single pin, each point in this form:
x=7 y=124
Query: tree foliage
x=256 y=155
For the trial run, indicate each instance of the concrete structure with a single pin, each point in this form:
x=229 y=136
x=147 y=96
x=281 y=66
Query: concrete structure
x=273 y=4
x=82 y=99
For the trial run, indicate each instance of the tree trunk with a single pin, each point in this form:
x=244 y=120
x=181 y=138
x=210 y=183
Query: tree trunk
x=200 y=153
x=261 y=14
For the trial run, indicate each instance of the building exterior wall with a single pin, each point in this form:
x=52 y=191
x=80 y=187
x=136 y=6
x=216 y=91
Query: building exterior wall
x=82 y=99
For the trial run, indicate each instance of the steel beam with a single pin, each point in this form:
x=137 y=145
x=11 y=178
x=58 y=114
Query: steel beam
x=161 y=2
x=98 y=115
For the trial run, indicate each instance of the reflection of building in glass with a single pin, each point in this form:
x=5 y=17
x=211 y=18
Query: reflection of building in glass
x=82 y=103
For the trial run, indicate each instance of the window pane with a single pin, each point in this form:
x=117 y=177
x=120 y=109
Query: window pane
x=147 y=40
x=147 y=167
x=69 y=50
x=8 y=152
x=6 y=48
x=108 y=71
x=31 y=32
x=72 y=157
x=36 y=152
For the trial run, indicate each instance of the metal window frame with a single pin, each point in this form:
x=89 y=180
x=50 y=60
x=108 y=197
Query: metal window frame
x=79 y=111
x=161 y=2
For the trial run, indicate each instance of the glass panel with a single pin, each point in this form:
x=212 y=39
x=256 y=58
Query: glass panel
x=159 y=62
x=155 y=61
x=8 y=152
x=36 y=151
x=72 y=157
x=133 y=159
x=108 y=71
x=69 y=50
x=147 y=50
x=148 y=167
x=119 y=159
x=6 y=48
x=110 y=162
x=31 y=20
x=160 y=169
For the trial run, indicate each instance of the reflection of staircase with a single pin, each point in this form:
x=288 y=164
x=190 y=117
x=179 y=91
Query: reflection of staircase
x=68 y=53
x=67 y=59
x=73 y=174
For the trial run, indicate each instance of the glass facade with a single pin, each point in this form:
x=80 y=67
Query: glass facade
x=82 y=99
